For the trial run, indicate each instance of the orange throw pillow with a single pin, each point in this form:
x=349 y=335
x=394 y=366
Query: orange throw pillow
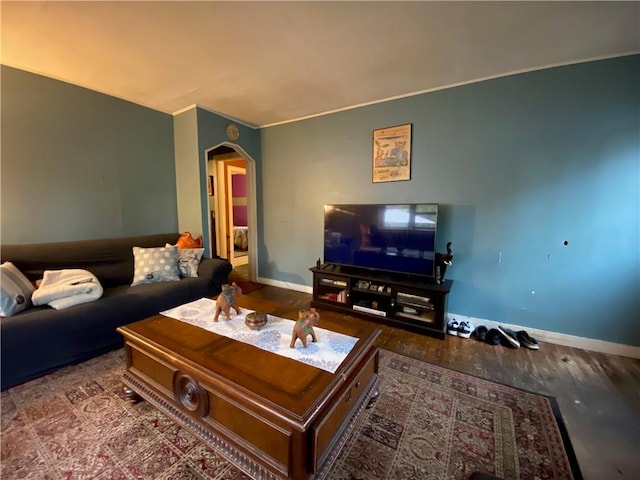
x=187 y=241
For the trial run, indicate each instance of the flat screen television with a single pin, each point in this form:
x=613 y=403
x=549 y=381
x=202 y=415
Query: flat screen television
x=398 y=238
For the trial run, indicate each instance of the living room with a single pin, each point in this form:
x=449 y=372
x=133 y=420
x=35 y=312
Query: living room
x=561 y=147
x=536 y=174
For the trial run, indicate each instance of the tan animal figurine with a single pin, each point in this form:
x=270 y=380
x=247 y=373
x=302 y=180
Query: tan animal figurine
x=304 y=327
x=227 y=300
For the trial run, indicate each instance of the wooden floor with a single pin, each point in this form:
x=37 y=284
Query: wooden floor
x=598 y=394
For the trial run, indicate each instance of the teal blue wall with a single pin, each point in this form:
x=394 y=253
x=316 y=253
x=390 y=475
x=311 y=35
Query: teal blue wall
x=77 y=164
x=519 y=165
x=212 y=132
x=188 y=178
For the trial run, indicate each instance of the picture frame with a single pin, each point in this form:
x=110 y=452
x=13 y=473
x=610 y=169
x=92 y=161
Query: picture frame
x=392 y=154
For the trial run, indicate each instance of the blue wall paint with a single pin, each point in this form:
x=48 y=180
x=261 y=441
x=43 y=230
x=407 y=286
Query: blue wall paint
x=77 y=164
x=212 y=131
x=188 y=179
x=519 y=165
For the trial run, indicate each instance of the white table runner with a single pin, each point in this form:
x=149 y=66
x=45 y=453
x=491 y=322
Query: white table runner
x=327 y=353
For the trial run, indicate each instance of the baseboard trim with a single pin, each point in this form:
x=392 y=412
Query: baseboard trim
x=556 y=338
x=288 y=286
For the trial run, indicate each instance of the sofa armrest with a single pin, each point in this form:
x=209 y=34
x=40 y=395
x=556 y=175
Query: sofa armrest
x=215 y=269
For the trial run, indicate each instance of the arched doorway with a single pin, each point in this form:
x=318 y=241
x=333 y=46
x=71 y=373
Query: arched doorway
x=231 y=185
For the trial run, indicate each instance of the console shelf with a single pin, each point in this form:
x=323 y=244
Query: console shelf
x=401 y=300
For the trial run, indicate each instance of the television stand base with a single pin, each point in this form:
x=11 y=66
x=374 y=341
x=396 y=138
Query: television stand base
x=401 y=300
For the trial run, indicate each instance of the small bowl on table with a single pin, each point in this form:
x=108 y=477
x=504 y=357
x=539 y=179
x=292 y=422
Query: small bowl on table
x=256 y=320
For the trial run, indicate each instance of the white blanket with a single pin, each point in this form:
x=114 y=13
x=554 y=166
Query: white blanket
x=65 y=288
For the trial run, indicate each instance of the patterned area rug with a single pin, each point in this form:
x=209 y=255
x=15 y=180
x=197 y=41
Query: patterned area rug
x=428 y=423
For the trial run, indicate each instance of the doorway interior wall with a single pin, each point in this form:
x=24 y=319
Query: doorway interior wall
x=236 y=208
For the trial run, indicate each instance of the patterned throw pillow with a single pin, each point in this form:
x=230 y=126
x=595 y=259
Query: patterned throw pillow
x=188 y=260
x=151 y=265
x=15 y=290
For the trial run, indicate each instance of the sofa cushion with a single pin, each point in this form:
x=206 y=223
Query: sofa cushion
x=152 y=265
x=188 y=261
x=15 y=290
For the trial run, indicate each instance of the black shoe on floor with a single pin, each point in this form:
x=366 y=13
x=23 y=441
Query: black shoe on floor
x=481 y=333
x=493 y=337
x=527 y=341
x=510 y=337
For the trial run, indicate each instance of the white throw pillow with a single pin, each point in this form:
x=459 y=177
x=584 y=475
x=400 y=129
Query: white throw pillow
x=158 y=264
x=15 y=290
x=188 y=260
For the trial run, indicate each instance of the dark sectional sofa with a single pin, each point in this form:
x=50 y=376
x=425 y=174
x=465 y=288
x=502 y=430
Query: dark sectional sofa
x=41 y=339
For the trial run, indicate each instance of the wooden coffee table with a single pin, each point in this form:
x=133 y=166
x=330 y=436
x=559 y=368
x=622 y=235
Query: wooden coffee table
x=271 y=416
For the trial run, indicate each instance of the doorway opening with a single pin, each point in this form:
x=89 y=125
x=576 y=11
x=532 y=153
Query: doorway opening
x=232 y=208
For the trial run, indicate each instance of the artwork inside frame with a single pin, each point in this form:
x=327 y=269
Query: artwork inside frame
x=392 y=154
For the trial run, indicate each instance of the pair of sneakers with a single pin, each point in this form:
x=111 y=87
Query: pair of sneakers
x=462 y=329
x=497 y=336
x=506 y=337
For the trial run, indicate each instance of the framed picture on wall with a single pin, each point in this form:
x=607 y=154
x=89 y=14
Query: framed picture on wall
x=210 y=185
x=392 y=154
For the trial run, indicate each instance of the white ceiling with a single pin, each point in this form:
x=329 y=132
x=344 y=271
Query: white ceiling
x=264 y=63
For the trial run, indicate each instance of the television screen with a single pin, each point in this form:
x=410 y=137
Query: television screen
x=395 y=238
